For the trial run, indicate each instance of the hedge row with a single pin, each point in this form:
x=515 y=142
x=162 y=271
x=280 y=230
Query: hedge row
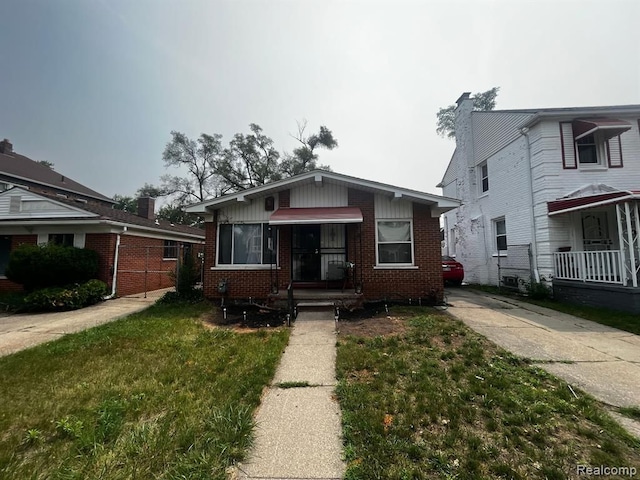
x=66 y=298
x=41 y=266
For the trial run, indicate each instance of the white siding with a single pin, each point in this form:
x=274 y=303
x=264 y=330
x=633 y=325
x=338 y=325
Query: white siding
x=36 y=206
x=327 y=195
x=253 y=211
x=492 y=131
x=495 y=138
x=387 y=208
x=509 y=197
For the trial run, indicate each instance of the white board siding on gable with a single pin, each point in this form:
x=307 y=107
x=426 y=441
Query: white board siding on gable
x=492 y=131
x=328 y=195
x=35 y=206
x=387 y=208
x=247 y=213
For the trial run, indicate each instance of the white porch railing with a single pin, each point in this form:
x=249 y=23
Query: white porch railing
x=598 y=266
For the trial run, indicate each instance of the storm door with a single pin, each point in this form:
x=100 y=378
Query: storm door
x=306 y=257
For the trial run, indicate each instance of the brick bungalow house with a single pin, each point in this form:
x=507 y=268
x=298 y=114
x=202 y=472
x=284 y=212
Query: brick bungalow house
x=39 y=205
x=323 y=231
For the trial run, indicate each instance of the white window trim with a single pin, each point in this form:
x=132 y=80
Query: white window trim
x=481 y=192
x=496 y=252
x=244 y=266
x=397 y=266
x=79 y=238
x=601 y=155
x=170 y=259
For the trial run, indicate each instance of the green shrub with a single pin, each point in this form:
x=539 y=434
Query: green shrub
x=96 y=290
x=191 y=297
x=66 y=298
x=538 y=290
x=41 y=266
x=187 y=276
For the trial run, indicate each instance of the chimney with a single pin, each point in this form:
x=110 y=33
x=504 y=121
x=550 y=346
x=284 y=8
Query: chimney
x=463 y=97
x=146 y=207
x=6 y=147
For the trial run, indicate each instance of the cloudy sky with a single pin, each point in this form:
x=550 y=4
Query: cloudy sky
x=96 y=86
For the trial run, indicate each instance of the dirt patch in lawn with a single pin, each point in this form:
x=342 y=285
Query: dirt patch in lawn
x=243 y=319
x=378 y=326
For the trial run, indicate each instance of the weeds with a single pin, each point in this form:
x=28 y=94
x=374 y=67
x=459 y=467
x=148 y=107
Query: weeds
x=154 y=395
x=439 y=401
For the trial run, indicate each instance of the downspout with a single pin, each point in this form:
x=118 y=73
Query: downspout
x=115 y=267
x=534 y=244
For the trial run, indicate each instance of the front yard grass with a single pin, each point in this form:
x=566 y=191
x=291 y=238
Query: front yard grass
x=436 y=400
x=154 y=395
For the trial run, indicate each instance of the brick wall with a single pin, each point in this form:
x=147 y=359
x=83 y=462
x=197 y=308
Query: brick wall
x=104 y=244
x=424 y=282
x=141 y=266
x=246 y=283
x=16 y=241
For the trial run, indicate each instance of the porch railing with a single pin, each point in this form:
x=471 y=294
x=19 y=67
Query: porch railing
x=603 y=266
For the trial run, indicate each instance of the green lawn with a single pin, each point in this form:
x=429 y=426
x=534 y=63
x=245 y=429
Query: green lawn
x=155 y=395
x=437 y=400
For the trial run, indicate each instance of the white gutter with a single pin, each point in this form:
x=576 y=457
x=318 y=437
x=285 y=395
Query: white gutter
x=534 y=244
x=115 y=268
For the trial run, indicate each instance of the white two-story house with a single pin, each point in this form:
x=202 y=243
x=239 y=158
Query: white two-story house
x=549 y=195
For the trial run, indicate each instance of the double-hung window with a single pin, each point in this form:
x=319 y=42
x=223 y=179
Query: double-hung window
x=395 y=242
x=246 y=244
x=501 y=235
x=484 y=177
x=170 y=250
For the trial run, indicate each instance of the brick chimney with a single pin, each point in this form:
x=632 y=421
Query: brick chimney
x=6 y=147
x=146 y=207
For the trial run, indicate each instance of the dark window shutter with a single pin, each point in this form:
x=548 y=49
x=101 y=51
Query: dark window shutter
x=569 y=160
x=614 y=152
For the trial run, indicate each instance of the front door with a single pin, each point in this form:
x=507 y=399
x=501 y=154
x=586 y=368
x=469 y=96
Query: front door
x=595 y=231
x=306 y=253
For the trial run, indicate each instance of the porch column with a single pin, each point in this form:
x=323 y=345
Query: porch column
x=629 y=234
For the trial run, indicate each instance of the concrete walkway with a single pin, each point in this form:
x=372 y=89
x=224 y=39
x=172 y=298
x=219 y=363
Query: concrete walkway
x=298 y=434
x=21 y=331
x=600 y=360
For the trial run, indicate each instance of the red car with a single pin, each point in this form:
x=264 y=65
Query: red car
x=452 y=271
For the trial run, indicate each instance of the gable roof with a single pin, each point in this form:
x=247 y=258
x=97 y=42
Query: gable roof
x=319 y=176
x=19 y=168
x=106 y=214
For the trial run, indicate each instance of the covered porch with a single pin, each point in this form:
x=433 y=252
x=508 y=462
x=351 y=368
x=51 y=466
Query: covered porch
x=603 y=244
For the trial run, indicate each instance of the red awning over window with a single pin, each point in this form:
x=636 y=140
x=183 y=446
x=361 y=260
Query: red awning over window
x=609 y=127
x=289 y=216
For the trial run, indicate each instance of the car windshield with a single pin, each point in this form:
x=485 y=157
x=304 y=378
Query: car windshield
x=447 y=258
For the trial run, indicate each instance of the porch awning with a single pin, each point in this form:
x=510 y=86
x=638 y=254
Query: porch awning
x=289 y=216
x=609 y=127
x=567 y=205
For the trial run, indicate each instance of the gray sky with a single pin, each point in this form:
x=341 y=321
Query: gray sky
x=96 y=86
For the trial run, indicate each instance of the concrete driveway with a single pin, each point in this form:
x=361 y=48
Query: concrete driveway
x=20 y=331
x=600 y=360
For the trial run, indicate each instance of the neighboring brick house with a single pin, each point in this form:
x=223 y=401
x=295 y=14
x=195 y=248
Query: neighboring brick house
x=324 y=231
x=550 y=194
x=39 y=205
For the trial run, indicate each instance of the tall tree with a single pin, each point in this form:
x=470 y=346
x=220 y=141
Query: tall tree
x=250 y=160
x=304 y=157
x=483 y=101
x=201 y=158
